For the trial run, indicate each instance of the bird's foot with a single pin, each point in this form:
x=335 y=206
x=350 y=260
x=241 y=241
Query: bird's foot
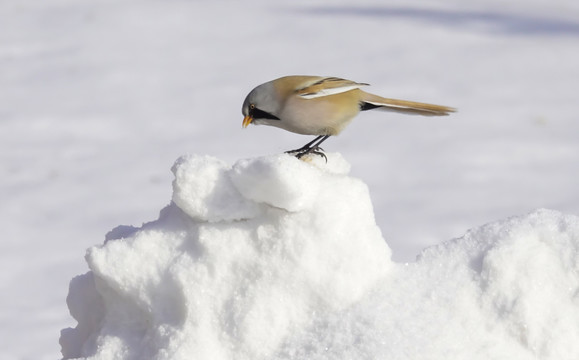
x=304 y=150
x=316 y=150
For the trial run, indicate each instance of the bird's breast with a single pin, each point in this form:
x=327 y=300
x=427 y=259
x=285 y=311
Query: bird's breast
x=327 y=115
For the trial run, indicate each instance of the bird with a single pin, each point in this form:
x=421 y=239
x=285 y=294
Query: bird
x=321 y=106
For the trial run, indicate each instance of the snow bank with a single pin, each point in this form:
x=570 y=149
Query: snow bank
x=243 y=257
x=276 y=258
x=507 y=290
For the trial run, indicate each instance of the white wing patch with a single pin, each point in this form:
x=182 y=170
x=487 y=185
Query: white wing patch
x=328 y=86
x=332 y=91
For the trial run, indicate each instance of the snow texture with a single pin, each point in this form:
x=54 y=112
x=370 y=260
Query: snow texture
x=277 y=258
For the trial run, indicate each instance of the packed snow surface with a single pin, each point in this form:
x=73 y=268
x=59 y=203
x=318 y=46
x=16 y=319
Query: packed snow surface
x=278 y=258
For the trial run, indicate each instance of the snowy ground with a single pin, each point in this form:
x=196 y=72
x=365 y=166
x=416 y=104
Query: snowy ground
x=100 y=98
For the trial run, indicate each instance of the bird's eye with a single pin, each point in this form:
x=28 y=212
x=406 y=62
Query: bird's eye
x=252 y=106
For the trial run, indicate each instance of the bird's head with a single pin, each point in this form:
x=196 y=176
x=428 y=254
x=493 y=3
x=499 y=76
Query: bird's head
x=261 y=105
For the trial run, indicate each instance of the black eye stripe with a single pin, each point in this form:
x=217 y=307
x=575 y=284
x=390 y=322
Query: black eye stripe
x=260 y=114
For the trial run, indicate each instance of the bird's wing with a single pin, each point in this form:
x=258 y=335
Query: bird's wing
x=326 y=86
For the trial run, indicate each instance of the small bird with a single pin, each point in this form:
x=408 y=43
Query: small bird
x=321 y=106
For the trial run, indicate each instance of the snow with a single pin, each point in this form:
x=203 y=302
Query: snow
x=100 y=98
x=506 y=290
x=285 y=277
x=219 y=282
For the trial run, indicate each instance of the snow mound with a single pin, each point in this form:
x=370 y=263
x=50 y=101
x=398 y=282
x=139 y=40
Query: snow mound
x=243 y=257
x=276 y=258
x=506 y=290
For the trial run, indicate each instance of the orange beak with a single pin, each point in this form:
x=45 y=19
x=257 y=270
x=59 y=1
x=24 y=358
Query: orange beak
x=247 y=120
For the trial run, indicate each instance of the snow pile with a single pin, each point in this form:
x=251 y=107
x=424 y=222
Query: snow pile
x=276 y=258
x=507 y=290
x=243 y=257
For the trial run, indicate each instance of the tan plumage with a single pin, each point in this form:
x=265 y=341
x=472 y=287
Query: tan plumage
x=322 y=106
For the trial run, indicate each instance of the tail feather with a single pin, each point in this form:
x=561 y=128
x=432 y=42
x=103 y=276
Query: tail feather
x=371 y=101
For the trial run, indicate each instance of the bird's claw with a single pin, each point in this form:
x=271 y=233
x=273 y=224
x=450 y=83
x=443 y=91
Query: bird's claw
x=313 y=150
x=313 y=147
x=305 y=150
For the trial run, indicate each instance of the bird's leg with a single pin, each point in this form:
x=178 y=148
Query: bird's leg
x=306 y=146
x=314 y=147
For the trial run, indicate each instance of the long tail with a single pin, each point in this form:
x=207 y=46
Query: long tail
x=371 y=101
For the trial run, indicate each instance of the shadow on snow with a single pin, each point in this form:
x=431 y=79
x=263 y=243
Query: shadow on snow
x=477 y=20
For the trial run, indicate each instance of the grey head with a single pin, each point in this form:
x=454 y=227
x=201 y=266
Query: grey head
x=261 y=105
